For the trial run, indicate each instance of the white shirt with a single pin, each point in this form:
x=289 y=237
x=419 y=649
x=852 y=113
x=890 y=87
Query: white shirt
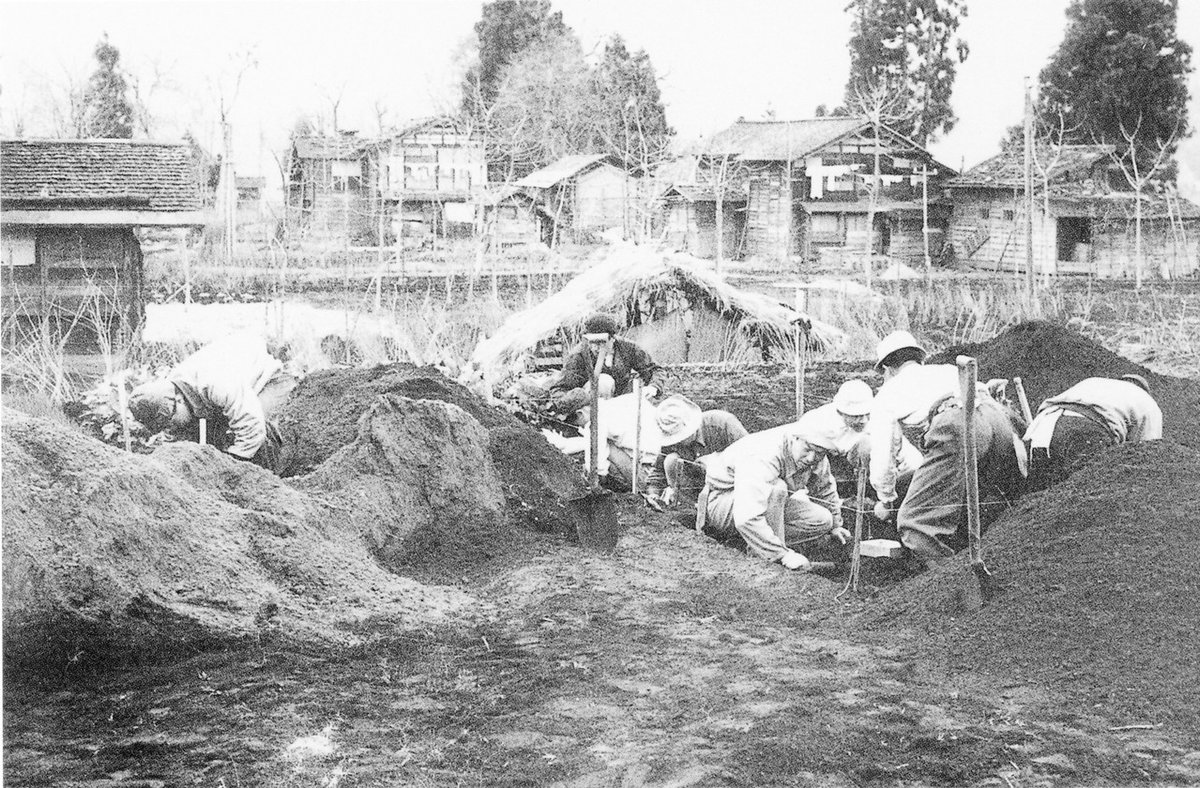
x=618 y=427
x=903 y=400
x=1130 y=412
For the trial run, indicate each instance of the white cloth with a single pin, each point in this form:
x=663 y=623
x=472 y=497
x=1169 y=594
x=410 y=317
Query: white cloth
x=617 y=424
x=905 y=399
x=825 y=428
x=1130 y=412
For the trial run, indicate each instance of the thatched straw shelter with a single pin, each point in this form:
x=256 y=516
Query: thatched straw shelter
x=673 y=305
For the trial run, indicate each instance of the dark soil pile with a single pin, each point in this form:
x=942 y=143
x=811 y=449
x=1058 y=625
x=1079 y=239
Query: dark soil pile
x=323 y=412
x=1050 y=358
x=1100 y=598
x=108 y=555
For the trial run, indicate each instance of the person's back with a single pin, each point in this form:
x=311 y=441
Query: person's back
x=1130 y=411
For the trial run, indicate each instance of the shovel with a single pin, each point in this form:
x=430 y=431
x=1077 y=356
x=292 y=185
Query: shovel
x=968 y=375
x=597 y=518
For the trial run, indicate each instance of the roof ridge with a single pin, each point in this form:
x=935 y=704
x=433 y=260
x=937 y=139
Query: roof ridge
x=95 y=141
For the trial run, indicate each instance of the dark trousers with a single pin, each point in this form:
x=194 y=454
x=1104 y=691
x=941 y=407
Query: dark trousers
x=932 y=520
x=1074 y=440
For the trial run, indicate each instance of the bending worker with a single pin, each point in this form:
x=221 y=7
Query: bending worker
x=618 y=437
x=921 y=403
x=775 y=488
x=688 y=435
x=235 y=385
x=1092 y=414
x=571 y=392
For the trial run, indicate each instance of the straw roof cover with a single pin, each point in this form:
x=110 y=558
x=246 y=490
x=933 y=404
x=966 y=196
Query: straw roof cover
x=628 y=276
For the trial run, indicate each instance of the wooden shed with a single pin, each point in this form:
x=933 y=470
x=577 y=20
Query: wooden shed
x=1084 y=218
x=328 y=198
x=71 y=259
x=579 y=196
x=690 y=220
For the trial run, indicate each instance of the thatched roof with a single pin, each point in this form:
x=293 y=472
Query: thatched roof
x=629 y=277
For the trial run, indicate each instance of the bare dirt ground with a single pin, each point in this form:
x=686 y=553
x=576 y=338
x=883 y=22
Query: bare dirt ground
x=676 y=661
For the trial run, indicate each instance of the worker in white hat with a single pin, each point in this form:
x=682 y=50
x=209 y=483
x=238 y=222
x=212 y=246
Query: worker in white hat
x=1092 y=414
x=775 y=487
x=688 y=435
x=921 y=403
x=234 y=384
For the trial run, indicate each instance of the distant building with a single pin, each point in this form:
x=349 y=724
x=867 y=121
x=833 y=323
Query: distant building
x=579 y=196
x=327 y=197
x=690 y=220
x=71 y=261
x=1083 y=223
x=807 y=188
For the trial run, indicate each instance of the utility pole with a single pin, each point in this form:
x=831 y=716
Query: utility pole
x=1028 y=186
x=925 y=220
x=229 y=194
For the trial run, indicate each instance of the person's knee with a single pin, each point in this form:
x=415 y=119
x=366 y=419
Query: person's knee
x=778 y=495
x=923 y=545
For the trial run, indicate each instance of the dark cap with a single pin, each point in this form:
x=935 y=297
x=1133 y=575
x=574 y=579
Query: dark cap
x=601 y=324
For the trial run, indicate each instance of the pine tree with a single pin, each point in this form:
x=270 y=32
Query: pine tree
x=633 y=123
x=505 y=30
x=1120 y=66
x=911 y=49
x=106 y=111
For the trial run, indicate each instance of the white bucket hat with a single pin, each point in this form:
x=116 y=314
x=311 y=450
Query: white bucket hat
x=678 y=418
x=897 y=340
x=853 y=398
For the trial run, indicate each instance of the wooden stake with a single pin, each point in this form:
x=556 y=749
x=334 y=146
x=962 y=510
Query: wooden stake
x=594 y=417
x=637 y=433
x=801 y=352
x=203 y=432
x=1024 y=400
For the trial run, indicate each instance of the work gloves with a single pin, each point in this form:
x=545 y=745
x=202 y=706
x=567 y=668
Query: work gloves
x=841 y=534
x=883 y=511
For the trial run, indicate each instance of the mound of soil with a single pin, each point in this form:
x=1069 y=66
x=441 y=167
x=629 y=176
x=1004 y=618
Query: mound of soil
x=109 y=555
x=1100 y=598
x=322 y=414
x=1050 y=358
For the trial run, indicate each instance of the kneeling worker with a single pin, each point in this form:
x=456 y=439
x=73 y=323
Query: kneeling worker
x=624 y=359
x=233 y=383
x=688 y=434
x=775 y=488
x=923 y=401
x=1092 y=414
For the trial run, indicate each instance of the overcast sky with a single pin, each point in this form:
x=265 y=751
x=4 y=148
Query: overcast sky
x=718 y=60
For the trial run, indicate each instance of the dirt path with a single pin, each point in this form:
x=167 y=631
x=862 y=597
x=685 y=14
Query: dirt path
x=673 y=662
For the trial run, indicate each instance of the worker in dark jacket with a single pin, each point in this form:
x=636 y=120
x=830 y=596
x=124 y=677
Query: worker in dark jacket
x=1092 y=414
x=687 y=435
x=571 y=392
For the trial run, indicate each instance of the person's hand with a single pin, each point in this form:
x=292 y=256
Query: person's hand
x=841 y=534
x=793 y=560
x=669 y=496
x=653 y=501
x=883 y=511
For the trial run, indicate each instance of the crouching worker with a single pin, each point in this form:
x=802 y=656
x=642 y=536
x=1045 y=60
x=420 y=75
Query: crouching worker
x=235 y=385
x=775 y=488
x=1092 y=414
x=571 y=392
x=688 y=434
x=921 y=403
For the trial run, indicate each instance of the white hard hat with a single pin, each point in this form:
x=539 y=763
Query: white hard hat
x=853 y=398
x=897 y=340
x=678 y=418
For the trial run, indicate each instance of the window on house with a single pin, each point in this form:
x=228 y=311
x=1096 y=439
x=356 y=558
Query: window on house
x=18 y=245
x=1009 y=215
x=985 y=213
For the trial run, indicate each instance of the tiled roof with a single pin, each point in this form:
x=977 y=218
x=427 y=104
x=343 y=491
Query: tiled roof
x=143 y=176
x=778 y=140
x=560 y=170
x=319 y=147
x=1007 y=169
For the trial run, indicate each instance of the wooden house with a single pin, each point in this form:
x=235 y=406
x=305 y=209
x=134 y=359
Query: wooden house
x=1084 y=218
x=72 y=264
x=579 y=196
x=327 y=195
x=808 y=184
x=428 y=176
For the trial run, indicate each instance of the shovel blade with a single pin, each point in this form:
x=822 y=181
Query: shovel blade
x=596 y=520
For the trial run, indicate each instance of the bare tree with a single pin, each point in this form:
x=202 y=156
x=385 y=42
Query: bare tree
x=1141 y=178
x=880 y=105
